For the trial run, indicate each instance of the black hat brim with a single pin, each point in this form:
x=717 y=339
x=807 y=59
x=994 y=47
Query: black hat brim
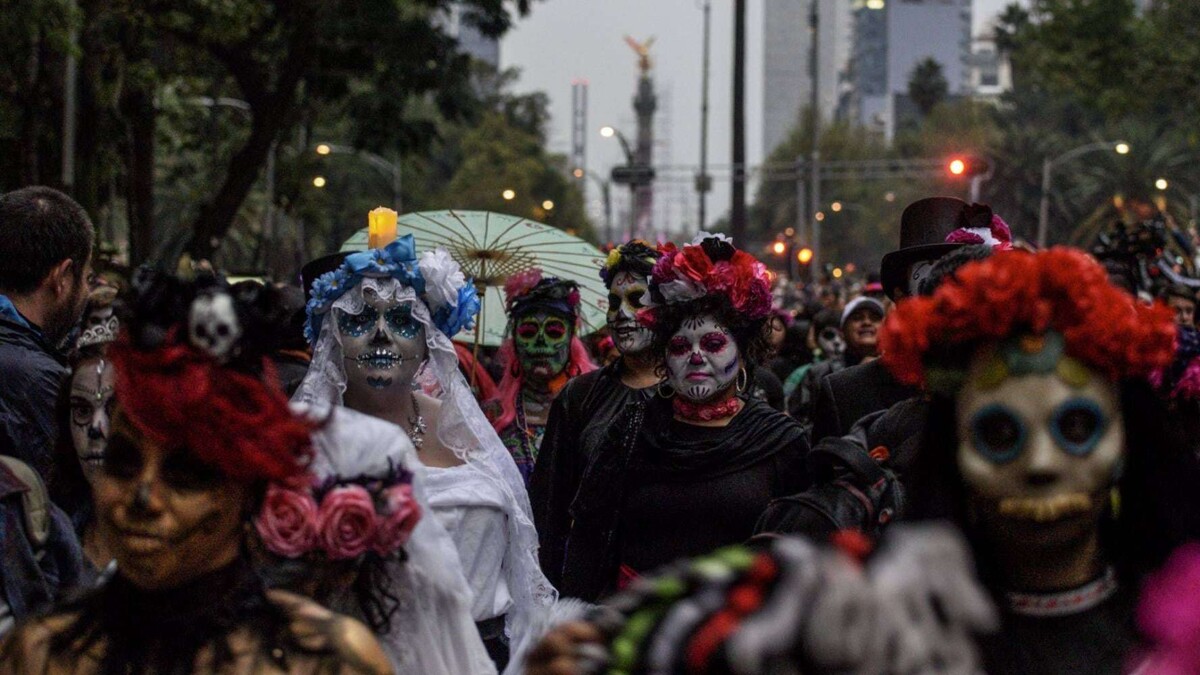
x=893 y=269
x=313 y=270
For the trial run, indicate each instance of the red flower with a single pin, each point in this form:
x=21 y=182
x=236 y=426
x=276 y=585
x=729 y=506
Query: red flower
x=1012 y=292
x=393 y=530
x=287 y=522
x=693 y=263
x=346 y=522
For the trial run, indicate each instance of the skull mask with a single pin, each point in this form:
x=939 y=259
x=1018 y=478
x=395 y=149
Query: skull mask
x=213 y=325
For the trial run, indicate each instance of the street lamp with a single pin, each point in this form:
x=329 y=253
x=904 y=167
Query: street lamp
x=509 y=195
x=1119 y=147
x=1161 y=184
x=835 y=207
x=318 y=181
x=391 y=169
x=609 y=132
x=606 y=194
x=548 y=205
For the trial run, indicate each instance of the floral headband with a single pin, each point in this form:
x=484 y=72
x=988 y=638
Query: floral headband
x=1044 y=311
x=529 y=290
x=710 y=265
x=343 y=518
x=452 y=299
x=635 y=256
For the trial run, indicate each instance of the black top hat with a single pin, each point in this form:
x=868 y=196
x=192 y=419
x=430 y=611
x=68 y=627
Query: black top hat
x=924 y=227
x=313 y=269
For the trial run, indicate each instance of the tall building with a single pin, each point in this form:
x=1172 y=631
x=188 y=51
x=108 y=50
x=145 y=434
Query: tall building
x=470 y=40
x=787 y=52
x=891 y=38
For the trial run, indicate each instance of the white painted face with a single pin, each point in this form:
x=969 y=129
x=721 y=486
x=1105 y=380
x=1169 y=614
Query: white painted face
x=92 y=387
x=1038 y=455
x=624 y=301
x=702 y=359
x=383 y=346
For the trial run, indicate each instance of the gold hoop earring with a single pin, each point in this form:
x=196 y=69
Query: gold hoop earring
x=743 y=380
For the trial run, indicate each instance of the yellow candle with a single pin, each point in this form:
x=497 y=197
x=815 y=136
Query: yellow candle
x=381 y=227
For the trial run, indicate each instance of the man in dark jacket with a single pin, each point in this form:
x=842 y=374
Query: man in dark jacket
x=929 y=229
x=45 y=264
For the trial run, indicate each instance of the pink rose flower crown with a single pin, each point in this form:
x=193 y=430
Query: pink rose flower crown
x=340 y=518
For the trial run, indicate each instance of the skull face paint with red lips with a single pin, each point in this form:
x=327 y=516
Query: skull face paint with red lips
x=702 y=359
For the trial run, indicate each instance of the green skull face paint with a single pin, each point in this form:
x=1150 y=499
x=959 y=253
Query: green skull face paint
x=543 y=343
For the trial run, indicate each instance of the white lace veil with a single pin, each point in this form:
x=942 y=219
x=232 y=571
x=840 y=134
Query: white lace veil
x=462 y=428
x=432 y=631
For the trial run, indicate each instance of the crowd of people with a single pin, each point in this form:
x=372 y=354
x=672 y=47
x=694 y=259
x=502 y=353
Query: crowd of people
x=980 y=459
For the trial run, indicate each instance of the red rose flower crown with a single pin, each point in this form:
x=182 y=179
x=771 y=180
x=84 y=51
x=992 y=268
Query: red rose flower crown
x=1014 y=294
x=711 y=265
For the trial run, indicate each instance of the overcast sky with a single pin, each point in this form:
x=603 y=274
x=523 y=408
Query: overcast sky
x=564 y=40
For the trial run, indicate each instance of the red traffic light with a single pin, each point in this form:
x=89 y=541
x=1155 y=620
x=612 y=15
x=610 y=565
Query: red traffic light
x=959 y=167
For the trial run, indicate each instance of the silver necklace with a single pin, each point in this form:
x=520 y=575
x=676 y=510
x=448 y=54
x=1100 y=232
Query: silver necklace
x=416 y=425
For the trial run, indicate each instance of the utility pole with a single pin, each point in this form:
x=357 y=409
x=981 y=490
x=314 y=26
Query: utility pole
x=737 y=222
x=814 y=165
x=703 y=181
x=70 y=98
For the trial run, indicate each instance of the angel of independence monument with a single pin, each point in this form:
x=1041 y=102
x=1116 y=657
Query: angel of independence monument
x=638 y=172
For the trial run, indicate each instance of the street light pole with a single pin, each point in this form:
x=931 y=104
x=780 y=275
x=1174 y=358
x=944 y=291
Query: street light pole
x=703 y=184
x=815 y=163
x=605 y=194
x=1120 y=147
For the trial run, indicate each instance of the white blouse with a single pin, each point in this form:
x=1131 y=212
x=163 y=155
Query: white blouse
x=471 y=509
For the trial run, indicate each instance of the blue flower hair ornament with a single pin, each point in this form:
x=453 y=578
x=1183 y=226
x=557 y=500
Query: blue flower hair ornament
x=438 y=281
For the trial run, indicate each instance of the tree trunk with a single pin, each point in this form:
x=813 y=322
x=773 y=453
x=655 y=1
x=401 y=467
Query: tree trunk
x=28 y=144
x=271 y=111
x=137 y=106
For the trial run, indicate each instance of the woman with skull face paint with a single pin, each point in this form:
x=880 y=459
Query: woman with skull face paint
x=543 y=354
x=200 y=429
x=381 y=323
x=85 y=418
x=1041 y=423
x=590 y=404
x=692 y=470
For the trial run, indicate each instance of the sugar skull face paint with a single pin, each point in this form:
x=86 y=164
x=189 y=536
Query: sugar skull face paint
x=702 y=359
x=92 y=387
x=1038 y=455
x=384 y=345
x=831 y=342
x=543 y=344
x=624 y=301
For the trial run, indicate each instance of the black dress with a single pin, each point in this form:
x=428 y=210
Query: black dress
x=663 y=489
x=580 y=418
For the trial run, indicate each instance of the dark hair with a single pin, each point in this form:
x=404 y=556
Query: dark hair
x=1179 y=291
x=749 y=335
x=1159 y=478
x=826 y=318
x=948 y=264
x=39 y=228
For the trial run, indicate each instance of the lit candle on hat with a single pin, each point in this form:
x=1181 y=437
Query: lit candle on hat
x=381 y=227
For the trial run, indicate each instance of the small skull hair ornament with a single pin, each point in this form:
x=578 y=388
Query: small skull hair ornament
x=213 y=325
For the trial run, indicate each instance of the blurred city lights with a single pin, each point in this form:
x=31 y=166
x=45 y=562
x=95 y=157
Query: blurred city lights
x=958 y=167
x=790 y=232
x=578 y=173
x=607 y=132
x=804 y=255
x=548 y=205
x=1122 y=148
x=835 y=207
x=324 y=149
x=1161 y=184
x=837 y=273
x=889 y=197
x=820 y=215
x=779 y=247
x=319 y=181
x=509 y=195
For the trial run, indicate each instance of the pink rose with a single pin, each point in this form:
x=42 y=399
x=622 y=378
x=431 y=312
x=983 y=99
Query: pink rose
x=393 y=530
x=287 y=522
x=346 y=522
